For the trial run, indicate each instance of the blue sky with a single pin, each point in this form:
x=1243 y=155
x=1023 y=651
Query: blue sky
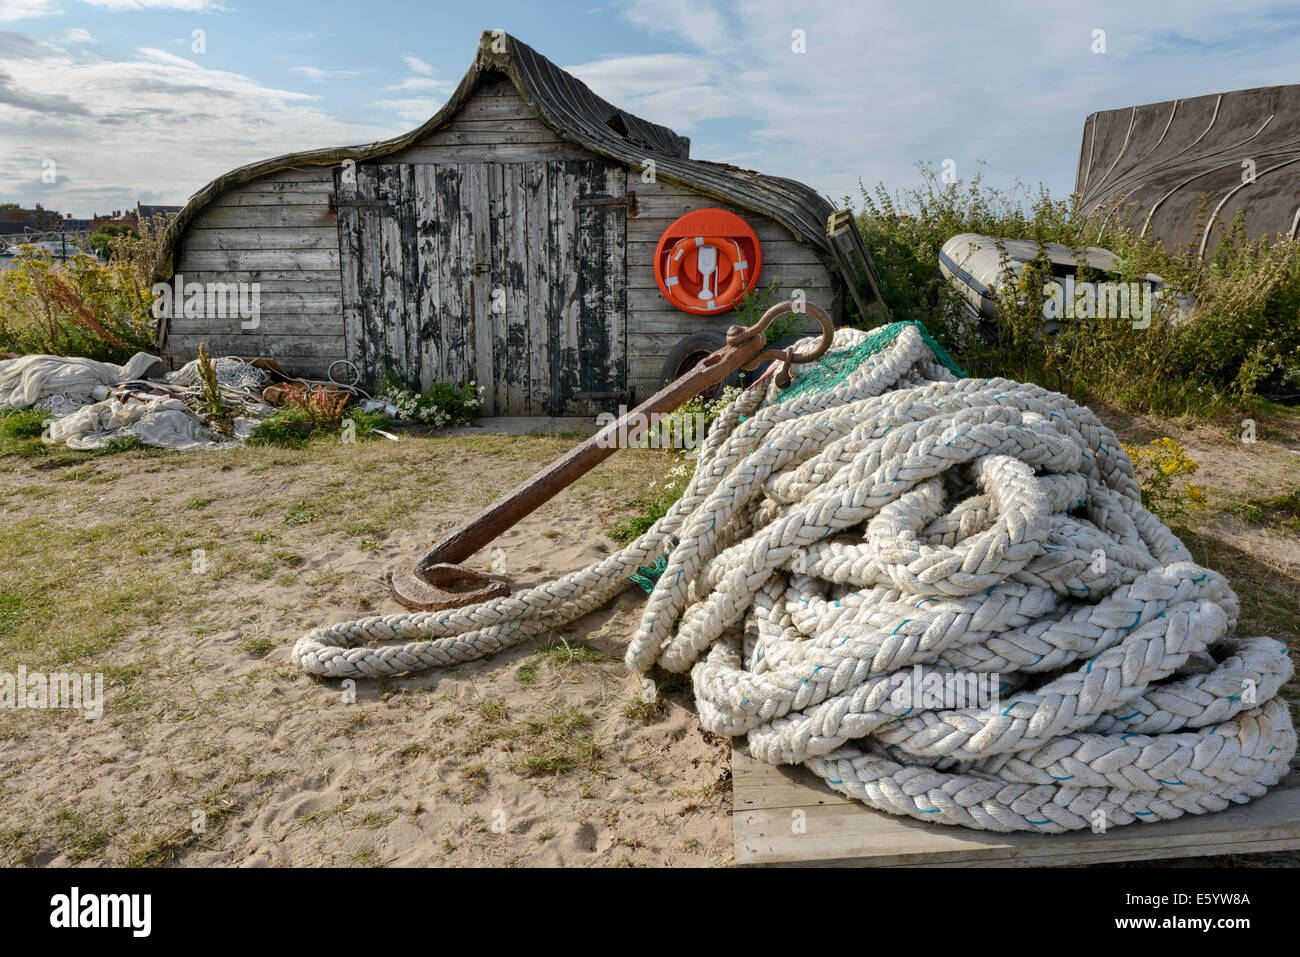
x=115 y=94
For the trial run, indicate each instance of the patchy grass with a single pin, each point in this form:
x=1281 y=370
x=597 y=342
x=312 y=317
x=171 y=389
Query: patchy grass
x=561 y=651
x=17 y=424
x=646 y=712
x=83 y=835
x=1281 y=511
x=257 y=646
x=557 y=744
x=526 y=674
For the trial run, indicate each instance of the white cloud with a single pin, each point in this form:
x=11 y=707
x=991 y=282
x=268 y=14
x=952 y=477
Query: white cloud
x=171 y=59
x=416 y=65
x=11 y=10
x=76 y=35
x=185 y=6
x=701 y=23
x=676 y=89
x=153 y=125
x=423 y=81
x=883 y=86
x=415 y=110
x=23 y=9
x=418 y=83
x=316 y=73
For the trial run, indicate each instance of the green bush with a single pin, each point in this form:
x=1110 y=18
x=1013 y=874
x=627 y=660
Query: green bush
x=279 y=428
x=81 y=307
x=1244 y=330
x=121 y=443
x=293 y=427
x=442 y=405
x=22 y=423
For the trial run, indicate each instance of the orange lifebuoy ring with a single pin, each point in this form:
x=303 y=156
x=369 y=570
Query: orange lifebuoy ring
x=707 y=261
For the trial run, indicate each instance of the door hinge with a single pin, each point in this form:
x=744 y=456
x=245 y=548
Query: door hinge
x=629 y=201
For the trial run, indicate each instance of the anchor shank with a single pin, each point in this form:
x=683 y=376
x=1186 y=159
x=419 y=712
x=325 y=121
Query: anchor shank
x=527 y=497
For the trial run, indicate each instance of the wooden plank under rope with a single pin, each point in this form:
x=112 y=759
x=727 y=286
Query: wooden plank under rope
x=839 y=832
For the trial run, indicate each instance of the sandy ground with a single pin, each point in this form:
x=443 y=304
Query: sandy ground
x=524 y=758
x=215 y=750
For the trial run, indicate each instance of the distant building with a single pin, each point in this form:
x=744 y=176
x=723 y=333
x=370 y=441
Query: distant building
x=117 y=218
x=16 y=222
x=143 y=212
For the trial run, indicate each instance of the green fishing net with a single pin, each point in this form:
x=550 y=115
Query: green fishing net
x=835 y=367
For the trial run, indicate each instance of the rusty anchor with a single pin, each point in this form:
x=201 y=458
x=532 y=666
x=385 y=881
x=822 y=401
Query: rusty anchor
x=435 y=580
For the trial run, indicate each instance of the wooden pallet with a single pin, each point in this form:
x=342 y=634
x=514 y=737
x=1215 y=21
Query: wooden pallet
x=839 y=832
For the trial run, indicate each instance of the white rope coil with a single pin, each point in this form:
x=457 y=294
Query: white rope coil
x=837 y=552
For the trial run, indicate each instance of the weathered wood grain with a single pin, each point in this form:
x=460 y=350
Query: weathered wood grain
x=475 y=195
x=562 y=319
x=537 y=193
x=490 y=153
x=309 y=237
x=289 y=194
x=269 y=327
x=350 y=250
x=265 y=217
x=453 y=271
x=432 y=251
x=285 y=280
x=319 y=347
x=509 y=274
x=234 y=262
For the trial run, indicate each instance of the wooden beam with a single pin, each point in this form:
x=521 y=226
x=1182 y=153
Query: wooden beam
x=854 y=259
x=834 y=831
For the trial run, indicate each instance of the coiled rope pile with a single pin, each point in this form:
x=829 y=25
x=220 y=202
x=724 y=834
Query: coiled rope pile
x=883 y=524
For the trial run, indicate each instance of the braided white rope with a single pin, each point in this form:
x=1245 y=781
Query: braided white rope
x=904 y=528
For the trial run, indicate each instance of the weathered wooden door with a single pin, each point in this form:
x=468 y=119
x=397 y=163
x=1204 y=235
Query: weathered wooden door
x=511 y=275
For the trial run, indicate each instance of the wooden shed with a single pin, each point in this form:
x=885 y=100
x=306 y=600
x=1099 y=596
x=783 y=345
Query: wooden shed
x=509 y=240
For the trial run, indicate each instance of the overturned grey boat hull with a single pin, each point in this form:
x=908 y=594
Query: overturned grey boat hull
x=1152 y=166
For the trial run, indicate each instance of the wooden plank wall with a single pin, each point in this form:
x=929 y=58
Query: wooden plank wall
x=654 y=324
x=278 y=230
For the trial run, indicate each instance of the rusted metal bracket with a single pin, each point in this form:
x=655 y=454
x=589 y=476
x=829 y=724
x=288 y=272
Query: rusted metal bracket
x=337 y=203
x=434 y=581
x=629 y=201
x=625 y=396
